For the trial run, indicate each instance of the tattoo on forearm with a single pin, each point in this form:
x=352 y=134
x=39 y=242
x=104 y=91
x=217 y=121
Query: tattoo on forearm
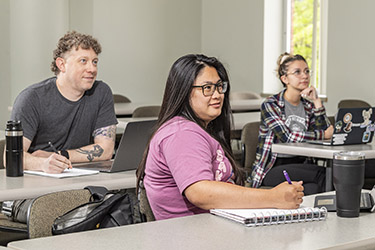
x=108 y=132
x=91 y=154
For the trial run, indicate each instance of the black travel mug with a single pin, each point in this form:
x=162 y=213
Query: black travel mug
x=348 y=180
x=14 y=149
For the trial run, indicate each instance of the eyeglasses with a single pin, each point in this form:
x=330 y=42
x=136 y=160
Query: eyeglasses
x=298 y=73
x=209 y=88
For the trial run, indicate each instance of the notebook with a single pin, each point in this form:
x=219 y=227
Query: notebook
x=329 y=201
x=129 y=152
x=73 y=172
x=262 y=217
x=352 y=126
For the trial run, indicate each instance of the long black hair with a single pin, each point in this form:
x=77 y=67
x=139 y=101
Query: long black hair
x=176 y=103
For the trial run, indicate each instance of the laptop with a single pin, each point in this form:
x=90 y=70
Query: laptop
x=129 y=152
x=329 y=201
x=352 y=126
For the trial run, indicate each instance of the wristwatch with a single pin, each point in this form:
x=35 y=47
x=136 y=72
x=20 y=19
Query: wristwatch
x=64 y=153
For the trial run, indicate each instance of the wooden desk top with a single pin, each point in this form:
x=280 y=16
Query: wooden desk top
x=30 y=186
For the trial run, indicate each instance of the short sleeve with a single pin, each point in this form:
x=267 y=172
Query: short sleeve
x=106 y=113
x=189 y=157
x=25 y=109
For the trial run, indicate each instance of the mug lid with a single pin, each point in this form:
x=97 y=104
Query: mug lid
x=349 y=155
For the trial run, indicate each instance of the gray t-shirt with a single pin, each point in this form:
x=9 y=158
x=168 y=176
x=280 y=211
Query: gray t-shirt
x=46 y=115
x=295 y=117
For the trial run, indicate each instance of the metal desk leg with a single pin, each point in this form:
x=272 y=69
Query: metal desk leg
x=329 y=176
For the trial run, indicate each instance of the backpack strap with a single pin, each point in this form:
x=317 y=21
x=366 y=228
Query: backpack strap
x=97 y=192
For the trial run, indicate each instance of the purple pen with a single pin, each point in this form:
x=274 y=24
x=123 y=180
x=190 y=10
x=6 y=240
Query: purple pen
x=287 y=177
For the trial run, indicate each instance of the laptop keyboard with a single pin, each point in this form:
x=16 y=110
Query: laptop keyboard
x=365 y=200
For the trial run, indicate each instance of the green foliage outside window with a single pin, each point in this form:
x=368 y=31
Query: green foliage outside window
x=302 y=30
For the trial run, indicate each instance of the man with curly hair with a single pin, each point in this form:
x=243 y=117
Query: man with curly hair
x=72 y=111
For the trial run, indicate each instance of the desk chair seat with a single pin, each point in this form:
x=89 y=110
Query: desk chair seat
x=147 y=111
x=43 y=211
x=120 y=99
x=249 y=140
x=353 y=103
x=244 y=95
x=144 y=205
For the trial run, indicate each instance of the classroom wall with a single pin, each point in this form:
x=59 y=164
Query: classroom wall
x=141 y=39
x=5 y=78
x=351 y=51
x=233 y=32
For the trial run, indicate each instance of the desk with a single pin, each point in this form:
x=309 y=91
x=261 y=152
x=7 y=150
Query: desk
x=322 y=151
x=249 y=105
x=210 y=232
x=126 y=109
x=30 y=186
x=239 y=120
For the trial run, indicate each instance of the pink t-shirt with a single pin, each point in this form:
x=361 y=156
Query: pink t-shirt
x=180 y=154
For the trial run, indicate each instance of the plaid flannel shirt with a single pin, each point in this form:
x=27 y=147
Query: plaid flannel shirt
x=274 y=130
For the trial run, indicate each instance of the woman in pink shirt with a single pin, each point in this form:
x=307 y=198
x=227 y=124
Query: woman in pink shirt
x=188 y=167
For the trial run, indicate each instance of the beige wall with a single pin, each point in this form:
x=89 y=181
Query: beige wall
x=5 y=76
x=351 y=51
x=142 y=38
x=233 y=32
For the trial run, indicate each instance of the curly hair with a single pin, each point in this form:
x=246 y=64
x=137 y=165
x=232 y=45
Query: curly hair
x=75 y=40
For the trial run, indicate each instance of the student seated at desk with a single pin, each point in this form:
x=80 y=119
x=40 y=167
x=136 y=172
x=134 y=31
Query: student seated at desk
x=188 y=167
x=295 y=114
x=73 y=110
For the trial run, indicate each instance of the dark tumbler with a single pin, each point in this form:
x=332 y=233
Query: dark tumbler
x=14 y=149
x=348 y=180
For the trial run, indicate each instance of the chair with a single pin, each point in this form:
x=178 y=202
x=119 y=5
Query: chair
x=147 y=111
x=120 y=99
x=144 y=205
x=44 y=210
x=353 y=103
x=244 y=95
x=249 y=140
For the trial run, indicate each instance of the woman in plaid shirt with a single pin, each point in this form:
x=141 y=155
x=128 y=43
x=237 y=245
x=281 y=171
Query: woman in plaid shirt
x=295 y=114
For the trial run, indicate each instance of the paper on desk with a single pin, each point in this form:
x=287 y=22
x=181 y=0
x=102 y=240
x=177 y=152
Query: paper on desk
x=67 y=173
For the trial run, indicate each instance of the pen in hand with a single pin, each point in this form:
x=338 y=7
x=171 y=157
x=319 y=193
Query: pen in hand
x=287 y=177
x=55 y=150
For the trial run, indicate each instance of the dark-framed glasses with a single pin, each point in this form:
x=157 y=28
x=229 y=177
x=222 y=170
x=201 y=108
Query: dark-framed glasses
x=300 y=73
x=209 y=88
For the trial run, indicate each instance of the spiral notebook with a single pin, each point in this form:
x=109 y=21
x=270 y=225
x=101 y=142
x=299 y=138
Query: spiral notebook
x=262 y=217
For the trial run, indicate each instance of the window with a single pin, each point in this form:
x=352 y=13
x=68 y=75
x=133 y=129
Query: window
x=303 y=35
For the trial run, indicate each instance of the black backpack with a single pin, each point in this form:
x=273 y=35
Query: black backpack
x=105 y=210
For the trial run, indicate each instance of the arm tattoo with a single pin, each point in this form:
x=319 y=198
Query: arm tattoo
x=91 y=154
x=108 y=132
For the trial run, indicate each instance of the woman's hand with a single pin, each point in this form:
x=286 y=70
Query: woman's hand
x=288 y=196
x=328 y=132
x=311 y=94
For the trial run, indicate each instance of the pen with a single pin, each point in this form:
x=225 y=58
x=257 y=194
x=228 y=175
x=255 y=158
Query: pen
x=53 y=148
x=287 y=177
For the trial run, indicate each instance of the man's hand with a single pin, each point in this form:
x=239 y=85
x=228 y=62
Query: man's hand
x=55 y=164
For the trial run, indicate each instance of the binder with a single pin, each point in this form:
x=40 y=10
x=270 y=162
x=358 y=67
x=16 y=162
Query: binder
x=262 y=217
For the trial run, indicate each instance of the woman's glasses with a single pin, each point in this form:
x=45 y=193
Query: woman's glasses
x=298 y=73
x=209 y=88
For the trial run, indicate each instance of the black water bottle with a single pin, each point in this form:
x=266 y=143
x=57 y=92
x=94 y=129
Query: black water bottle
x=14 y=149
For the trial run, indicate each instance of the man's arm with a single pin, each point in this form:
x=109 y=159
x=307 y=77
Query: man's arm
x=42 y=160
x=102 y=149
